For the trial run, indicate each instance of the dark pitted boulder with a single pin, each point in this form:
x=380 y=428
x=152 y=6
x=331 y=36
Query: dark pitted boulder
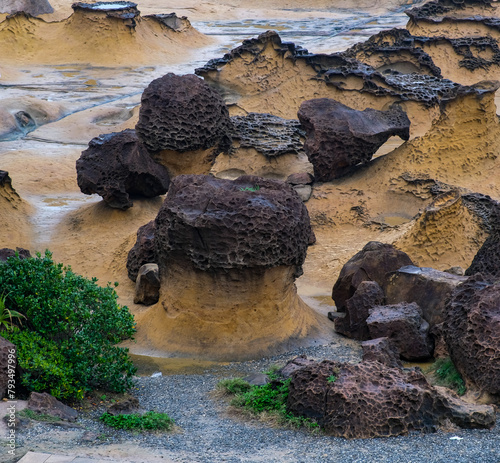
x=370 y=399
x=43 y=403
x=404 y=326
x=221 y=224
x=472 y=332
x=143 y=252
x=7 y=364
x=487 y=259
x=182 y=113
x=339 y=138
x=32 y=7
x=381 y=350
x=117 y=166
x=147 y=285
x=372 y=263
x=293 y=365
x=22 y=253
x=228 y=254
x=368 y=295
x=119 y=10
x=428 y=287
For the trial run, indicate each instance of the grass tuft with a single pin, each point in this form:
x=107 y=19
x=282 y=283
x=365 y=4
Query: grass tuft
x=445 y=374
x=150 y=421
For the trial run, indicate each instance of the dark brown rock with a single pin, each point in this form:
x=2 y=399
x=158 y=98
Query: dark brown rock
x=368 y=295
x=293 y=365
x=117 y=166
x=8 y=364
x=44 y=403
x=381 y=350
x=222 y=224
x=182 y=113
x=472 y=332
x=147 y=285
x=487 y=259
x=428 y=287
x=370 y=399
x=143 y=252
x=437 y=335
x=172 y=21
x=301 y=178
x=404 y=326
x=339 y=138
x=124 y=407
x=22 y=253
x=32 y=7
x=372 y=263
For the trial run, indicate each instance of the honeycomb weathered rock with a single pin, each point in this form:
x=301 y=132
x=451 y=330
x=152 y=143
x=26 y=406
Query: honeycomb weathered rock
x=143 y=251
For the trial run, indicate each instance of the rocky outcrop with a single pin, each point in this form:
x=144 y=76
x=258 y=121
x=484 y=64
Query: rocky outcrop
x=428 y=287
x=143 y=252
x=338 y=138
x=43 y=403
x=372 y=263
x=228 y=254
x=367 y=296
x=472 y=332
x=403 y=324
x=32 y=7
x=147 y=285
x=183 y=120
x=117 y=166
x=370 y=399
x=5 y=253
x=381 y=350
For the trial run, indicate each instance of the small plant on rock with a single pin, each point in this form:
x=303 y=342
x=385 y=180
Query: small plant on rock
x=445 y=374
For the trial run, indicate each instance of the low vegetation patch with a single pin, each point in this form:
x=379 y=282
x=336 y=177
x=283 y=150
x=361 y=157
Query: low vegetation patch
x=30 y=414
x=445 y=374
x=150 y=421
x=267 y=402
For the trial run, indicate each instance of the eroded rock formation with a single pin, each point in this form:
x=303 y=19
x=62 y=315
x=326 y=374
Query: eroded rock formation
x=228 y=254
x=339 y=138
x=117 y=166
x=144 y=250
x=32 y=7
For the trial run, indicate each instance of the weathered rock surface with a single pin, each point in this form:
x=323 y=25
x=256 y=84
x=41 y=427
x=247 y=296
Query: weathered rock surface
x=472 y=332
x=293 y=365
x=338 y=138
x=381 y=350
x=147 y=285
x=428 y=287
x=368 y=295
x=124 y=407
x=32 y=7
x=404 y=326
x=372 y=263
x=117 y=166
x=143 y=252
x=182 y=113
x=43 y=403
x=369 y=399
x=7 y=363
x=5 y=253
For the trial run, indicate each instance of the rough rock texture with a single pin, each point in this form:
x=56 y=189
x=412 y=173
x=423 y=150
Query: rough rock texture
x=293 y=365
x=381 y=350
x=372 y=263
x=472 y=332
x=6 y=364
x=143 y=252
x=404 y=326
x=428 y=287
x=182 y=113
x=440 y=348
x=368 y=295
x=124 y=407
x=369 y=399
x=172 y=21
x=116 y=166
x=339 y=138
x=32 y=7
x=245 y=223
x=46 y=404
x=120 y=10
x=147 y=285
x=5 y=253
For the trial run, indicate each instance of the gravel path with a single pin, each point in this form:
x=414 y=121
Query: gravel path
x=208 y=434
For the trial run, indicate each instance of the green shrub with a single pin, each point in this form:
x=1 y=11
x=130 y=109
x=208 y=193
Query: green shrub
x=234 y=386
x=447 y=375
x=149 y=421
x=77 y=324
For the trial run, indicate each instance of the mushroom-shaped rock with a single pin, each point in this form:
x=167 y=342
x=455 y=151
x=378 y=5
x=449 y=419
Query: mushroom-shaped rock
x=404 y=326
x=370 y=399
x=184 y=122
x=143 y=252
x=372 y=263
x=472 y=332
x=32 y=7
x=339 y=138
x=228 y=254
x=117 y=166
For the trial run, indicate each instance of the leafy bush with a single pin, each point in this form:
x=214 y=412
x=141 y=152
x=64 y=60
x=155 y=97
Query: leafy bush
x=68 y=342
x=447 y=375
x=149 y=421
x=234 y=386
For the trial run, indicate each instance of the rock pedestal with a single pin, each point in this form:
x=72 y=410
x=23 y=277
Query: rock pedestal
x=228 y=254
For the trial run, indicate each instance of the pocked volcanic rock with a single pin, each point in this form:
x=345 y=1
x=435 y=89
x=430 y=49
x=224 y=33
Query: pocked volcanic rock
x=184 y=122
x=228 y=254
x=338 y=138
x=116 y=166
